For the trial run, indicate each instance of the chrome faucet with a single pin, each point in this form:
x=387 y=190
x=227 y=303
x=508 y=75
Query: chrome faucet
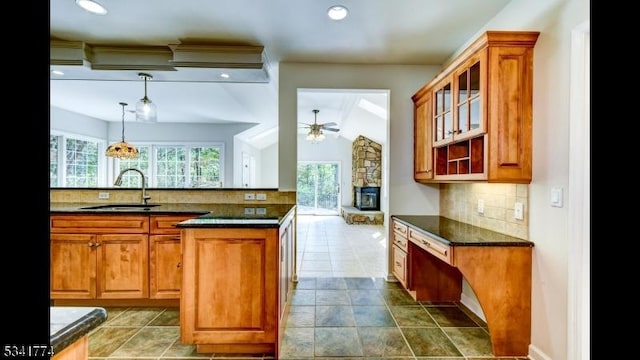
x=145 y=197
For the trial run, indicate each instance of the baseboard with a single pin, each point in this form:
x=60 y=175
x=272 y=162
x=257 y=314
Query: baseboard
x=472 y=305
x=537 y=354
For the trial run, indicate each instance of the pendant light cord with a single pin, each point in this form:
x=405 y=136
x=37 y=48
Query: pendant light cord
x=123 y=105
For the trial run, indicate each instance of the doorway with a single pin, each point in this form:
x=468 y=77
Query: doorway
x=318 y=188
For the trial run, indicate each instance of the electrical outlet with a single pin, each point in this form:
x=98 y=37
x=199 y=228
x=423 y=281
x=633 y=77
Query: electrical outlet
x=103 y=195
x=518 y=211
x=249 y=196
x=480 y=206
x=261 y=196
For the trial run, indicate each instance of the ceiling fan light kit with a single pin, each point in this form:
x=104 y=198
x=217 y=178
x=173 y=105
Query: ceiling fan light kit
x=145 y=109
x=122 y=149
x=316 y=133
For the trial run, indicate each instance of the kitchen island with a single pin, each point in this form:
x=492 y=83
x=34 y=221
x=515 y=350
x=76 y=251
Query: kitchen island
x=431 y=255
x=238 y=272
x=70 y=328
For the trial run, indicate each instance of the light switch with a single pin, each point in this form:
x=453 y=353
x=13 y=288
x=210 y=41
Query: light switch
x=556 y=197
x=518 y=211
x=480 y=206
x=103 y=195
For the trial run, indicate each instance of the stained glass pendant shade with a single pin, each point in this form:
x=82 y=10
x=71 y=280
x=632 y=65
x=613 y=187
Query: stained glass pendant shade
x=122 y=149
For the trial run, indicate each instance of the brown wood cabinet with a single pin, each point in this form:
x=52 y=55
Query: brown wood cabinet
x=98 y=257
x=165 y=256
x=115 y=256
x=473 y=121
x=399 y=253
x=237 y=283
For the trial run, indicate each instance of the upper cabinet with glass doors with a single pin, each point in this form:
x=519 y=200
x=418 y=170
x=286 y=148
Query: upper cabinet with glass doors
x=480 y=119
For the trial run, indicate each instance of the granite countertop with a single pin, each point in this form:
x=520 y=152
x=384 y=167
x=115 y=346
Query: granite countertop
x=239 y=215
x=68 y=324
x=211 y=215
x=456 y=233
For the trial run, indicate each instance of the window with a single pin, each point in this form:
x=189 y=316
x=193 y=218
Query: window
x=74 y=161
x=176 y=166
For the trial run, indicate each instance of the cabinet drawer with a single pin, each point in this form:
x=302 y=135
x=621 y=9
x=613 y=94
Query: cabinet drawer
x=165 y=224
x=100 y=224
x=400 y=241
x=434 y=247
x=400 y=265
x=400 y=228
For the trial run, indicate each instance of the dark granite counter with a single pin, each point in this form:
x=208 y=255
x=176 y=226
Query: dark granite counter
x=68 y=324
x=153 y=208
x=211 y=215
x=456 y=233
x=241 y=216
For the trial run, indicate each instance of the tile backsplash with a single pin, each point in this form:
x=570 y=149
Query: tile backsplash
x=460 y=202
x=181 y=196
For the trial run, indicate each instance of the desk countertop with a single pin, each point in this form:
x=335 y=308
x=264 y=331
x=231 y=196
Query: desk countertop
x=68 y=324
x=456 y=233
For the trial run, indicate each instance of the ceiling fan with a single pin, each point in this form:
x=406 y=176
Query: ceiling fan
x=316 y=130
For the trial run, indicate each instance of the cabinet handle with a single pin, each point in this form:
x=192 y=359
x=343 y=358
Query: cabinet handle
x=179 y=265
x=397 y=263
x=424 y=242
x=90 y=244
x=97 y=244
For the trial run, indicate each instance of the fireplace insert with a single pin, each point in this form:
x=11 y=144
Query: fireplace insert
x=366 y=197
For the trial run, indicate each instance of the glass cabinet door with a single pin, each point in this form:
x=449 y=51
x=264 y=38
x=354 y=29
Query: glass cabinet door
x=468 y=116
x=443 y=117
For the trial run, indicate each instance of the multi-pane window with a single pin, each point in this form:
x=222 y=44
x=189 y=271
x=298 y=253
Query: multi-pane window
x=205 y=167
x=79 y=162
x=53 y=160
x=74 y=161
x=171 y=166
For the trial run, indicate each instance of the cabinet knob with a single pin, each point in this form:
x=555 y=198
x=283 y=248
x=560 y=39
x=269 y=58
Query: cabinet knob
x=90 y=244
x=179 y=265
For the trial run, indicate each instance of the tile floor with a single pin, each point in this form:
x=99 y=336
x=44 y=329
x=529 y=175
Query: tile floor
x=342 y=308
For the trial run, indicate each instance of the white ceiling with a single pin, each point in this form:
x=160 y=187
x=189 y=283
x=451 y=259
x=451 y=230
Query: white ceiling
x=417 y=32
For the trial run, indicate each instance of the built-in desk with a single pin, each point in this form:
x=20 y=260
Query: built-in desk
x=434 y=253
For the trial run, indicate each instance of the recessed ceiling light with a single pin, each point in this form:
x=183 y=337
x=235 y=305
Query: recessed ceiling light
x=57 y=72
x=224 y=75
x=92 y=6
x=337 y=12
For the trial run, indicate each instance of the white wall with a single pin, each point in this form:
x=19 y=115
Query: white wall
x=269 y=166
x=67 y=121
x=405 y=196
x=548 y=226
x=330 y=149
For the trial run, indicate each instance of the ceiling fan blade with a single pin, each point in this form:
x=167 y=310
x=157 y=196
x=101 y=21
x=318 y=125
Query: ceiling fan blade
x=329 y=124
x=331 y=129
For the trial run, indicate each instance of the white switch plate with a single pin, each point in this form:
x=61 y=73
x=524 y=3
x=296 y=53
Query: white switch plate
x=249 y=211
x=261 y=211
x=103 y=195
x=249 y=196
x=518 y=211
x=556 y=197
x=480 y=206
x=261 y=196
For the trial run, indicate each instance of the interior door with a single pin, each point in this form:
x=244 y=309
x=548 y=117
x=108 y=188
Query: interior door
x=318 y=188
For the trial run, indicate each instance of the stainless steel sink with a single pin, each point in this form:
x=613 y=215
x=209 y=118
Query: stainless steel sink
x=121 y=207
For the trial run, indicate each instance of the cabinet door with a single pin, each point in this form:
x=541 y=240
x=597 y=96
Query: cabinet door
x=73 y=266
x=469 y=89
x=422 y=138
x=229 y=287
x=122 y=266
x=442 y=123
x=165 y=266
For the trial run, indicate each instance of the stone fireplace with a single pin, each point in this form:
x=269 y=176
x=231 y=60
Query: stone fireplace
x=366 y=178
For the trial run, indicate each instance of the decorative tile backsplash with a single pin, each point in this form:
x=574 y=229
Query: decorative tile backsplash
x=460 y=202
x=181 y=196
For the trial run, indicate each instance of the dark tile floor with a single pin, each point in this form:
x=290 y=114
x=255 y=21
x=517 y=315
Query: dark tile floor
x=344 y=318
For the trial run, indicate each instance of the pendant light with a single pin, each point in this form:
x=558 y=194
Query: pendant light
x=145 y=109
x=122 y=150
